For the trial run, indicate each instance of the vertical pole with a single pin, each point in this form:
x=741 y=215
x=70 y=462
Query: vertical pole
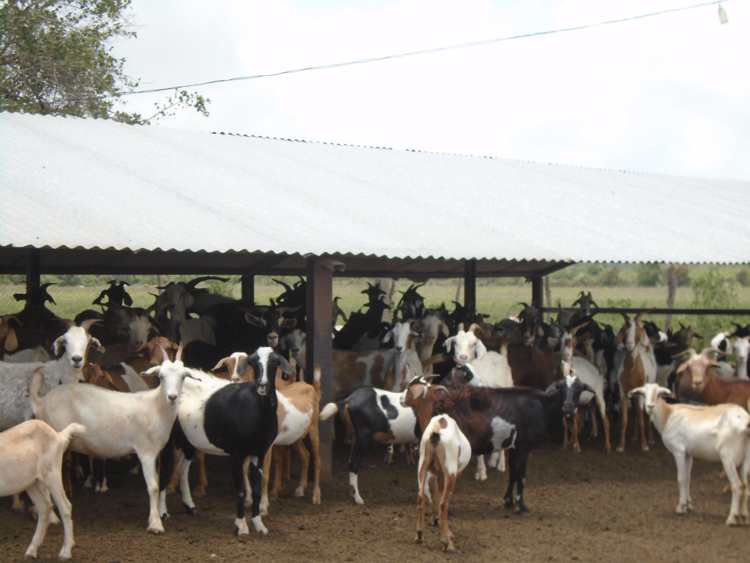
x=33 y=274
x=470 y=288
x=319 y=330
x=248 y=288
x=537 y=292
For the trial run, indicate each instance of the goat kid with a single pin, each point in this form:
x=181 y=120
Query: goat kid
x=444 y=452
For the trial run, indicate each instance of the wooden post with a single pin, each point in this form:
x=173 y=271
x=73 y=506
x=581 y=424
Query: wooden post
x=320 y=345
x=537 y=292
x=470 y=288
x=248 y=288
x=33 y=274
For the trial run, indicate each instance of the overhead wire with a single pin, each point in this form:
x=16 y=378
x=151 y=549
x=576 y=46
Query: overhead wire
x=426 y=51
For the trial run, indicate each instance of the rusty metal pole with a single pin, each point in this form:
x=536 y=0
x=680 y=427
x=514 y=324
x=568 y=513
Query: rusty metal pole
x=320 y=345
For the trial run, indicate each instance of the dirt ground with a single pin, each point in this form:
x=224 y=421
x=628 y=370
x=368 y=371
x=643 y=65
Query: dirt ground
x=583 y=508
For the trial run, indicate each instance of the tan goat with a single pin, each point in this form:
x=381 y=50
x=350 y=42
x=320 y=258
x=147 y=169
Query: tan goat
x=32 y=462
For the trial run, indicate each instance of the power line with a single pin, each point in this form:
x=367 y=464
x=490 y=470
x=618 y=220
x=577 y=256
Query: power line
x=427 y=51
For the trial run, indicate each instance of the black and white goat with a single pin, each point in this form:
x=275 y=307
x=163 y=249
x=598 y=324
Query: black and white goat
x=218 y=417
x=373 y=415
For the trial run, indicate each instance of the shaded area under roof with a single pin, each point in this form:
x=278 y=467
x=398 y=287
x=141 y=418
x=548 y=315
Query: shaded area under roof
x=101 y=197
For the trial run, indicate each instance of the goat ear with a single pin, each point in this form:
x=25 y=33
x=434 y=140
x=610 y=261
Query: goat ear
x=220 y=364
x=683 y=366
x=481 y=349
x=11 y=340
x=58 y=346
x=152 y=371
x=388 y=336
x=448 y=343
x=97 y=345
x=444 y=329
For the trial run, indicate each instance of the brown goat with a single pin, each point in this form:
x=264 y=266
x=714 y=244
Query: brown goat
x=704 y=384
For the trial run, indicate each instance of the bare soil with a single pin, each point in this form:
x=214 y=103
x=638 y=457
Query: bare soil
x=584 y=507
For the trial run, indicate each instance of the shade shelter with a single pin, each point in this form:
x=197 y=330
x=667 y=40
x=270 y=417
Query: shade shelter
x=92 y=197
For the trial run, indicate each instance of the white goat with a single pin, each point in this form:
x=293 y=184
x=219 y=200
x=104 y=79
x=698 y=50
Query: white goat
x=236 y=364
x=713 y=433
x=488 y=369
x=32 y=462
x=15 y=378
x=444 y=452
x=119 y=424
x=589 y=374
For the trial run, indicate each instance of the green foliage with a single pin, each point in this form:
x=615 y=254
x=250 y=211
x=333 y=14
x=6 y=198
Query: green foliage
x=743 y=278
x=712 y=290
x=56 y=58
x=610 y=277
x=649 y=275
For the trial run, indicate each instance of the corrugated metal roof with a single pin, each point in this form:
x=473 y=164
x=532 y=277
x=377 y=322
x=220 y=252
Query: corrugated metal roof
x=68 y=182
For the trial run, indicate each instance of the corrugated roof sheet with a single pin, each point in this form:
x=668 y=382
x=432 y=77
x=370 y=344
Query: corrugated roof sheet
x=68 y=182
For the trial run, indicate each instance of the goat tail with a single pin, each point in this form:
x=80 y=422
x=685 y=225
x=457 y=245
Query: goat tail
x=36 y=385
x=316 y=380
x=328 y=411
x=435 y=438
x=69 y=431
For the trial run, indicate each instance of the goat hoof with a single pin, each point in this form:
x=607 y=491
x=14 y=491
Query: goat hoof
x=199 y=491
x=358 y=500
x=191 y=510
x=165 y=515
x=522 y=509
x=316 y=497
x=449 y=547
x=733 y=521
x=156 y=529
x=620 y=449
x=258 y=526
x=299 y=491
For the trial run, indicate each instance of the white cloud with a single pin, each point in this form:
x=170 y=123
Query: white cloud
x=666 y=94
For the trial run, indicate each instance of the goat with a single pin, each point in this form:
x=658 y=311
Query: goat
x=8 y=336
x=372 y=415
x=710 y=388
x=298 y=414
x=240 y=420
x=71 y=350
x=444 y=452
x=713 y=433
x=431 y=327
x=119 y=423
x=639 y=368
x=32 y=462
x=483 y=369
x=494 y=419
x=28 y=355
x=593 y=390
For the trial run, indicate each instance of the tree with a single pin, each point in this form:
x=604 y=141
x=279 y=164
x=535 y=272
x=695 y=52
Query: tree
x=55 y=59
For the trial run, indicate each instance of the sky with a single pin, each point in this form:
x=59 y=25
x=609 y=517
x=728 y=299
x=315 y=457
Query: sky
x=668 y=94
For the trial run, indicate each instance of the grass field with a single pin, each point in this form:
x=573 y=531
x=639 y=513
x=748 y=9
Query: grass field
x=495 y=299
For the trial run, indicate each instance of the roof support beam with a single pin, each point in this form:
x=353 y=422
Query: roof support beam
x=248 y=288
x=470 y=288
x=537 y=292
x=33 y=273
x=320 y=345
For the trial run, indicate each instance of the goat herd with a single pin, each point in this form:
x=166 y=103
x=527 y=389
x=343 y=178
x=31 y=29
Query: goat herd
x=199 y=373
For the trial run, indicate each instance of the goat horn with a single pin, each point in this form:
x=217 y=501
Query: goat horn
x=195 y=281
x=285 y=285
x=178 y=354
x=473 y=327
